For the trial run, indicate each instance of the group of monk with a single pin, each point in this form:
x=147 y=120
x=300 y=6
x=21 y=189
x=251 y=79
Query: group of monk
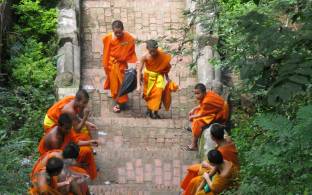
x=118 y=52
x=220 y=170
x=66 y=161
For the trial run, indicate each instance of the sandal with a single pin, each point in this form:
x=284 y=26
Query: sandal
x=156 y=115
x=188 y=129
x=116 y=109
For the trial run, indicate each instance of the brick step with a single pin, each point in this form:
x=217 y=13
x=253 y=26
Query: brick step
x=182 y=102
x=132 y=137
x=154 y=170
x=122 y=189
x=140 y=122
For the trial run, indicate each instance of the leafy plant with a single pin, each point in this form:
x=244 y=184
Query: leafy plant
x=32 y=67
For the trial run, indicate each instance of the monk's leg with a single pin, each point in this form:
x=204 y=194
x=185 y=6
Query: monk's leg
x=192 y=171
x=193 y=185
x=86 y=157
x=197 y=126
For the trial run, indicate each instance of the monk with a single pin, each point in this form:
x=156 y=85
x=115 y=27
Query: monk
x=119 y=50
x=45 y=180
x=157 y=66
x=59 y=136
x=70 y=153
x=223 y=178
x=74 y=106
x=73 y=169
x=223 y=144
x=212 y=108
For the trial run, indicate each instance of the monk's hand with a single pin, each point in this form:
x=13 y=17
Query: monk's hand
x=92 y=126
x=206 y=176
x=94 y=142
x=205 y=164
x=69 y=180
x=138 y=88
x=86 y=112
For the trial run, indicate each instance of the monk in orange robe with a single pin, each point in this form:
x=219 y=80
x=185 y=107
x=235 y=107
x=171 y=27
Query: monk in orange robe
x=119 y=50
x=74 y=106
x=61 y=135
x=224 y=145
x=71 y=168
x=212 y=108
x=157 y=66
x=45 y=180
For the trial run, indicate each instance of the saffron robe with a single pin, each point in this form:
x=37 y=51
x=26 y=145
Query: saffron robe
x=153 y=79
x=117 y=53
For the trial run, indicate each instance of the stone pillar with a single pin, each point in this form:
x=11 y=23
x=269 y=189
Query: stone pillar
x=67 y=81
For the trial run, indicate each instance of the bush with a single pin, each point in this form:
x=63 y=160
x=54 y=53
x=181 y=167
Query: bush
x=31 y=67
x=35 y=18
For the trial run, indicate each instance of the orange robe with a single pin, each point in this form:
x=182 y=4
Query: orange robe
x=55 y=112
x=229 y=153
x=154 y=83
x=166 y=98
x=42 y=161
x=117 y=54
x=212 y=109
x=77 y=171
x=85 y=154
x=38 y=189
x=220 y=183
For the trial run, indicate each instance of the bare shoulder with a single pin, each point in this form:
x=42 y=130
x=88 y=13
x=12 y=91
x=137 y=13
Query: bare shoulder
x=69 y=109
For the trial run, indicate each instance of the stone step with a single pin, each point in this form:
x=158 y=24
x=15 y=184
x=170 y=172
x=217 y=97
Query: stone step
x=182 y=102
x=119 y=122
x=130 y=189
x=132 y=137
x=158 y=167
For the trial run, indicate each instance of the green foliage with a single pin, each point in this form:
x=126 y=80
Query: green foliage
x=28 y=93
x=35 y=18
x=275 y=153
x=270 y=43
x=31 y=67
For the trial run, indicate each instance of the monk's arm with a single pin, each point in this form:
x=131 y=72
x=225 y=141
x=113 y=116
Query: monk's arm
x=79 y=123
x=88 y=143
x=139 y=71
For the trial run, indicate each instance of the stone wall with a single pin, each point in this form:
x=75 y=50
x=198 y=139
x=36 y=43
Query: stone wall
x=67 y=81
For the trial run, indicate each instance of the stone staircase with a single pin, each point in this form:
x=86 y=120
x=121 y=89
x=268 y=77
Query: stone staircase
x=138 y=155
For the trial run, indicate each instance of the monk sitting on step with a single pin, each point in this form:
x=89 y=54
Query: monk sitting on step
x=157 y=66
x=212 y=108
x=45 y=181
x=59 y=136
x=71 y=168
x=119 y=50
x=224 y=145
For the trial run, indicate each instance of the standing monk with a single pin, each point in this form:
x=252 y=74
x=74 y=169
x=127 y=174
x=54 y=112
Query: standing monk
x=157 y=66
x=119 y=50
x=212 y=108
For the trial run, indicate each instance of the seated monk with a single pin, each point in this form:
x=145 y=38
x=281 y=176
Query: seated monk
x=224 y=145
x=118 y=51
x=219 y=176
x=70 y=151
x=212 y=108
x=157 y=65
x=74 y=106
x=45 y=180
x=59 y=136
x=72 y=169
